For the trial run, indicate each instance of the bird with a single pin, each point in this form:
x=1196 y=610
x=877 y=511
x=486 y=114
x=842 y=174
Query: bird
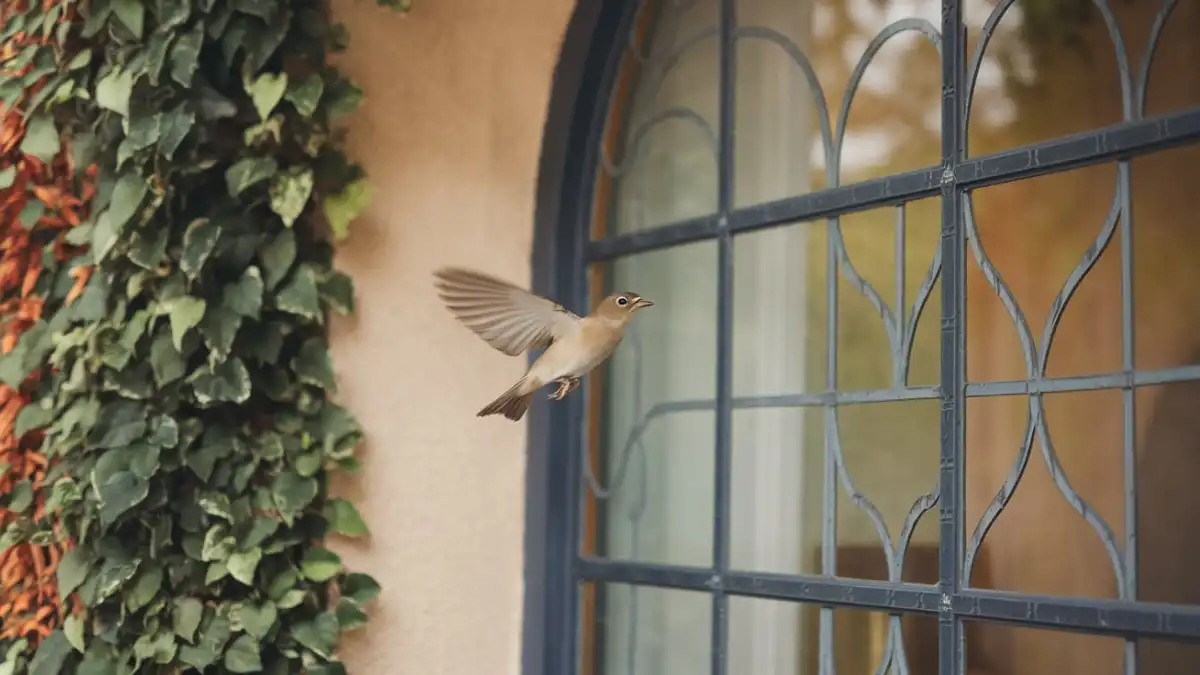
x=513 y=320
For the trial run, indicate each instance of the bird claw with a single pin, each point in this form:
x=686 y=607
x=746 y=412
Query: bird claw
x=565 y=386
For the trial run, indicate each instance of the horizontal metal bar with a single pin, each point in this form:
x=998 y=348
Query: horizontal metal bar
x=901 y=187
x=862 y=593
x=1087 y=615
x=1119 y=141
x=1090 y=615
x=1121 y=380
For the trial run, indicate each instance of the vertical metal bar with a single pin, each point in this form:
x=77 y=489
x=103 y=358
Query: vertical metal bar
x=953 y=375
x=899 y=369
x=1129 y=451
x=829 y=485
x=724 y=423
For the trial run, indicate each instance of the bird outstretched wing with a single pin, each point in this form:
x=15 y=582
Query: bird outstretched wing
x=507 y=317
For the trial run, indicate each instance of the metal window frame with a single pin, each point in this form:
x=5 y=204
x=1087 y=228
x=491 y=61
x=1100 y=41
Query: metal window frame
x=554 y=569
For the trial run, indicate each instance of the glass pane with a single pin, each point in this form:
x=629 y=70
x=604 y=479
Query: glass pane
x=659 y=163
x=653 y=412
x=642 y=630
x=770 y=637
x=786 y=144
x=1002 y=649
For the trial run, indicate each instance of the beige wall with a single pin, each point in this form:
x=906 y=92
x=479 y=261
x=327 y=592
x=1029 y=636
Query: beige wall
x=450 y=133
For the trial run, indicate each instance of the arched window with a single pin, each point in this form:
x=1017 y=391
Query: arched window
x=864 y=225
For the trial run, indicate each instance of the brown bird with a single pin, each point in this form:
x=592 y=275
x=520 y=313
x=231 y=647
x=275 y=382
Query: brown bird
x=513 y=320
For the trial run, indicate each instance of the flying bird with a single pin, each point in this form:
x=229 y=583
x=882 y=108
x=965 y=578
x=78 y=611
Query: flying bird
x=514 y=320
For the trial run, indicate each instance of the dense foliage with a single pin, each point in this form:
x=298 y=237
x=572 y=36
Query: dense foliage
x=185 y=410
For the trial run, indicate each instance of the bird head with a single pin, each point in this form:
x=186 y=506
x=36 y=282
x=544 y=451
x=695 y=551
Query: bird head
x=621 y=306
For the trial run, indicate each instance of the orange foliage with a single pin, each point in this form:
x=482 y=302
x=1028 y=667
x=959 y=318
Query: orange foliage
x=29 y=602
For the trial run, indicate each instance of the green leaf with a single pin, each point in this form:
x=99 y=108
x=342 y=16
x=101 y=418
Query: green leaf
x=185 y=313
x=350 y=615
x=320 y=565
x=187 y=617
x=114 y=90
x=244 y=297
x=243 y=656
x=266 y=91
x=32 y=416
x=313 y=365
x=119 y=494
x=343 y=98
x=8 y=176
x=144 y=131
x=20 y=497
x=199 y=240
x=132 y=14
x=122 y=423
x=185 y=54
x=292 y=492
x=338 y=291
x=127 y=196
x=73 y=630
x=220 y=328
x=299 y=295
x=166 y=361
x=41 y=139
x=319 y=635
x=289 y=193
x=306 y=94
x=362 y=588
x=51 y=655
x=345 y=519
x=341 y=209
x=73 y=568
x=228 y=381
x=258 y=621
x=147 y=586
x=243 y=564
x=249 y=172
x=176 y=124
x=277 y=258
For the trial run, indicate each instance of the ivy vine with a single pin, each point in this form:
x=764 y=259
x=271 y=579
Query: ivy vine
x=187 y=404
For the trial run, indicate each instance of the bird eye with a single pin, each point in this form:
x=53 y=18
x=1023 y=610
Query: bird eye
x=622 y=301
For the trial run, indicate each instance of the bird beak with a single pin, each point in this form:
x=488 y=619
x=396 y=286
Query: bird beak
x=642 y=302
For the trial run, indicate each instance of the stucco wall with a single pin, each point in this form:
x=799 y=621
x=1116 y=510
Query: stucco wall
x=450 y=133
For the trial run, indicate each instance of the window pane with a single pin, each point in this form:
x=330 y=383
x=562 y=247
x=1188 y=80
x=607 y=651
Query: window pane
x=653 y=412
x=642 y=630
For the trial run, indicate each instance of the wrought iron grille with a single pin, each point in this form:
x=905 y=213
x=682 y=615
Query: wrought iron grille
x=563 y=571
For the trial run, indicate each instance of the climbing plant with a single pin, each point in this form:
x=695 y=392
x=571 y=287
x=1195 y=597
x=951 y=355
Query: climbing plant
x=187 y=402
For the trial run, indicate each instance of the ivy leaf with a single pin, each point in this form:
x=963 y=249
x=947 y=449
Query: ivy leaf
x=289 y=193
x=32 y=416
x=292 y=492
x=132 y=14
x=228 y=381
x=258 y=621
x=166 y=361
x=313 y=365
x=362 y=588
x=185 y=313
x=187 y=617
x=343 y=98
x=220 y=328
x=338 y=291
x=350 y=615
x=121 y=492
x=8 y=176
x=320 y=565
x=73 y=569
x=319 y=635
x=244 y=297
x=114 y=90
x=127 y=196
x=176 y=124
x=341 y=209
x=248 y=172
x=185 y=54
x=51 y=655
x=243 y=564
x=243 y=656
x=266 y=91
x=305 y=95
x=345 y=519
x=199 y=240
x=41 y=139
x=299 y=295
x=277 y=258
x=73 y=630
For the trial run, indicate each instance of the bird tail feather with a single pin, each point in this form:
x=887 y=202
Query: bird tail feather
x=512 y=403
